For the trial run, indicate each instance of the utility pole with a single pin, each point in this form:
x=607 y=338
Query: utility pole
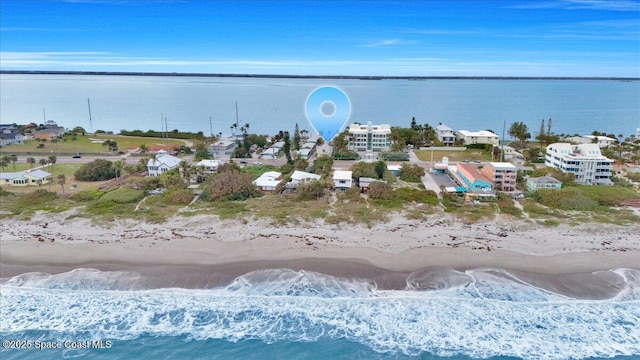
x=90 y=119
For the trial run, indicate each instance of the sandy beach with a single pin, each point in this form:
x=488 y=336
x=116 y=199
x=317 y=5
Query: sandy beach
x=224 y=249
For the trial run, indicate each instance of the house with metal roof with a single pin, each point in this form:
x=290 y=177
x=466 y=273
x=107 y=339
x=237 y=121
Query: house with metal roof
x=163 y=162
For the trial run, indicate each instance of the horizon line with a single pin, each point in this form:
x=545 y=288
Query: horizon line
x=311 y=76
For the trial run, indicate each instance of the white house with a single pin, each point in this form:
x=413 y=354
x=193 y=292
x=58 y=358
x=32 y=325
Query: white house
x=543 y=182
x=601 y=141
x=209 y=166
x=342 y=179
x=11 y=139
x=584 y=160
x=369 y=137
x=446 y=135
x=24 y=178
x=163 y=162
x=478 y=137
x=302 y=176
x=268 y=181
x=223 y=148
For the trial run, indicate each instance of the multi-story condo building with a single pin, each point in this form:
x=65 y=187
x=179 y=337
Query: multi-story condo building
x=369 y=137
x=502 y=175
x=446 y=135
x=584 y=160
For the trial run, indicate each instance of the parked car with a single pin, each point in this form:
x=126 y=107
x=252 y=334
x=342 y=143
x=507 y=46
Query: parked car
x=77 y=156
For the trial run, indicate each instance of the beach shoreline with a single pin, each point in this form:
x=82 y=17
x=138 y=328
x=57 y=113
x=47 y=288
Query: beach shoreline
x=386 y=252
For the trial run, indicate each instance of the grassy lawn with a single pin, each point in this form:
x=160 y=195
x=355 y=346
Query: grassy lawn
x=454 y=156
x=67 y=169
x=85 y=144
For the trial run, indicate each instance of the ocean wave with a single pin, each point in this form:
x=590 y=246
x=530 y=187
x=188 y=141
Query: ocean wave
x=479 y=313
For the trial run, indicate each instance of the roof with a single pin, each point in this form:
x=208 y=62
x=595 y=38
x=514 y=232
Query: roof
x=40 y=174
x=342 y=175
x=484 y=133
x=268 y=179
x=544 y=180
x=443 y=127
x=503 y=166
x=394 y=167
x=169 y=160
x=209 y=163
x=303 y=175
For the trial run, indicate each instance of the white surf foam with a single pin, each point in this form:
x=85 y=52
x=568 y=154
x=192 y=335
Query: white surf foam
x=266 y=305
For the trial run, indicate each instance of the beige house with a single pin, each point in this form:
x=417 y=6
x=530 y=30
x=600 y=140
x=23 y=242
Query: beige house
x=25 y=178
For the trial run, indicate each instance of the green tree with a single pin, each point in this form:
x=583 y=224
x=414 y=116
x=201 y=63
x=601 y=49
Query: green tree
x=42 y=162
x=287 y=147
x=97 y=170
x=3 y=164
x=79 y=130
x=363 y=169
x=520 y=131
x=230 y=185
x=300 y=164
x=143 y=148
x=323 y=165
x=296 y=138
x=14 y=159
x=52 y=160
x=411 y=173
x=62 y=179
x=380 y=168
x=118 y=166
x=202 y=152
x=31 y=161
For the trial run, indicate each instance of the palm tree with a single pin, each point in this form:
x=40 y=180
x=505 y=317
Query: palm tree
x=43 y=162
x=31 y=161
x=3 y=164
x=185 y=170
x=39 y=182
x=52 y=160
x=143 y=148
x=62 y=179
x=14 y=159
x=118 y=166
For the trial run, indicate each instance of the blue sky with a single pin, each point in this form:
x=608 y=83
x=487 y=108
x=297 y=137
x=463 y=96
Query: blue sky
x=402 y=38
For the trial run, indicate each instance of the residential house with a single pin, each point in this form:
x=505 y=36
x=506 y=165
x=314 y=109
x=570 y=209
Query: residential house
x=584 y=160
x=502 y=175
x=11 y=139
x=268 y=181
x=210 y=166
x=223 y=148
x=601 y=141
x=342 y=180
x=445 y=135
x=477 y=137
x=8 y=129
x=543 y=182
x=304 y=153
x=394 y=169
x=365 y=182
x=162 y=162
x=299 y=177
x=49 y=133
x=324 y=150
x=25 y=178
x=468 y=176
x=369 y=137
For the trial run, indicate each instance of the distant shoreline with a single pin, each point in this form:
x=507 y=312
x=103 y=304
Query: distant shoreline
x=335 y=77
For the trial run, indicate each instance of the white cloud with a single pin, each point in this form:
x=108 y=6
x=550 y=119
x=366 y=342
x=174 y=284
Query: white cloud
x=388 y=42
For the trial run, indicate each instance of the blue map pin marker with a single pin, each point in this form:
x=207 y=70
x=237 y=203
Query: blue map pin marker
x=328 y=110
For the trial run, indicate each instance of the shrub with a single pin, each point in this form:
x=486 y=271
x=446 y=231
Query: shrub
x=178 y=196
x=230 y=185
x=379 y=190
x=411 y=173
x=123 y=195
x=87 y=195
x=416 y=195
x=144 y=183
x=311 y=190
x=394 y=156
x=97 y=170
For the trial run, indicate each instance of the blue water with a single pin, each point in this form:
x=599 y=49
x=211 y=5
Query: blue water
x=269 y=105
x=280 y=313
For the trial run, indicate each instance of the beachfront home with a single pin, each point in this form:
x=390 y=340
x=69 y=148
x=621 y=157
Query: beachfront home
x=468 y=176
x=210 y=166
x=445 y=135
x=342 y=180
x=584 y=160
x=25 y=178
x=223 y=148
x=268 y=181
x=502 y=175
x=477 y=137
x=369 y=137
x=162 y=162
x=543 y=182
x=304 y=153
x=324 y=150
x=300 y=177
